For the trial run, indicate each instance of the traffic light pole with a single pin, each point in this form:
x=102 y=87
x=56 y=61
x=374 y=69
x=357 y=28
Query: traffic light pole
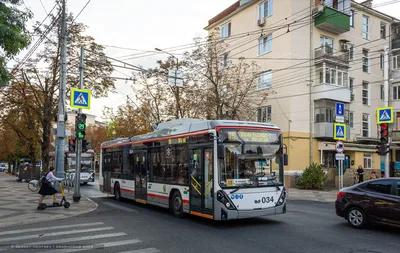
x=386 y=101
x=77 y=190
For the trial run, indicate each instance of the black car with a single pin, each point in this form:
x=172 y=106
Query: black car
x=373 y=201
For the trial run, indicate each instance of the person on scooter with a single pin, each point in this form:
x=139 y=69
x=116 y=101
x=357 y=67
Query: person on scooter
x=48 y=188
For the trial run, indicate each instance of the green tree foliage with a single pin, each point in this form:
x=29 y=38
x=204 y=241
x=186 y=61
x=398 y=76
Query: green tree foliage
x=313 y=177
x=14 y=35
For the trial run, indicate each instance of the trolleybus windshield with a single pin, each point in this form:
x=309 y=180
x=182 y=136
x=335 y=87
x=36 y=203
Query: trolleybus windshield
x=251 y=158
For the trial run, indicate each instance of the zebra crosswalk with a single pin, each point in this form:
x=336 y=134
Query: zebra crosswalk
x=83 y=237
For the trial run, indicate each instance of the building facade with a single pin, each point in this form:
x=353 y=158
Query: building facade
x=312 y=55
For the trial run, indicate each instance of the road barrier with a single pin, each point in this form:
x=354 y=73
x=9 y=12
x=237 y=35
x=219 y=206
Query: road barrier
x=69 y=180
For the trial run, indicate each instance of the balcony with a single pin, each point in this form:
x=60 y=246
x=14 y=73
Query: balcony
x=396 y=44
x=332 y=92
x=325 y=54
x=325 y=130
x=333 y=21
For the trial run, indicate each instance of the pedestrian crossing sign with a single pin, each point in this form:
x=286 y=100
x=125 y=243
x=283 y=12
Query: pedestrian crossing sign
x=80 y=98
x=385 y=115
x=339 y=131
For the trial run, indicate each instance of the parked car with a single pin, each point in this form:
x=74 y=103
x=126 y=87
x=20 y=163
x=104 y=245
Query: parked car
x=373 y=201
x=3 y=168
x=25 y=172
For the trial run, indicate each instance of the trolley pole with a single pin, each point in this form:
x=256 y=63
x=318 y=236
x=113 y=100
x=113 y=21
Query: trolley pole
x=77 y=188
x=60 y=141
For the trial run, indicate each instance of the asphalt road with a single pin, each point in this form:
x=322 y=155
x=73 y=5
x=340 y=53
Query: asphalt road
x=135 y=228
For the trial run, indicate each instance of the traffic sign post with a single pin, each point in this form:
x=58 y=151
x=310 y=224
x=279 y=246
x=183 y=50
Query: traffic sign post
x=339 y=109
x=339 y=147
x=384 y=117
x=80 y=98
x=339 y=131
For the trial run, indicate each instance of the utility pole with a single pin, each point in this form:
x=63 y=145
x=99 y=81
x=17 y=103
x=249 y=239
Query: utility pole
x=386 y=101
x=60 y=141
x=77 y=190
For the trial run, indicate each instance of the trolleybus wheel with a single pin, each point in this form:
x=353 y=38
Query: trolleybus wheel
x=176 y=203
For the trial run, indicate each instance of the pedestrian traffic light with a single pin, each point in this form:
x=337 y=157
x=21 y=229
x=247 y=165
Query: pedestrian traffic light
x=71 y=145
x=384 y=133
x=80 y=126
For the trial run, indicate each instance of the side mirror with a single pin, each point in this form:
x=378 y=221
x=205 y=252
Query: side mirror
x=221 y=151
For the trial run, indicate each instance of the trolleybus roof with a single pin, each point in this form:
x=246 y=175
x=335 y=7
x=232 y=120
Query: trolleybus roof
x=183 y=126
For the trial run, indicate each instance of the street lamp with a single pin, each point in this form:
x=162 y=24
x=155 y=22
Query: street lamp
x=178 y=107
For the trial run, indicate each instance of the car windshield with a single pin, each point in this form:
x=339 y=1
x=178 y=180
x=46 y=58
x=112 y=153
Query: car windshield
x=250 y=159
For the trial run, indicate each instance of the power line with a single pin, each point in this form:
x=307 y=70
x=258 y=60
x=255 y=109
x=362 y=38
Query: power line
x=81 y=10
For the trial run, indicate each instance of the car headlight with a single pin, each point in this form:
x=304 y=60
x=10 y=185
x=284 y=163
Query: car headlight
x=224 y=199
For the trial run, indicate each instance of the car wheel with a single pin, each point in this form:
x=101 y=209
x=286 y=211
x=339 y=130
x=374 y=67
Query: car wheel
x=177 y=204
x=117 y=192
x=356 y=217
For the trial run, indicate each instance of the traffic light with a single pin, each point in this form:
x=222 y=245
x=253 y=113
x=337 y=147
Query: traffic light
x=384 y=133
x=86 y=145
x=80 y=126
x=383 y=149
x=71 y=145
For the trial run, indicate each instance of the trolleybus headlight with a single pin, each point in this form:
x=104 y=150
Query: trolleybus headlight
x=224 y=199
x=282 y=197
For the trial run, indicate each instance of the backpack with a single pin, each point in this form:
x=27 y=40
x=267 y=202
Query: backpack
x=44 y=180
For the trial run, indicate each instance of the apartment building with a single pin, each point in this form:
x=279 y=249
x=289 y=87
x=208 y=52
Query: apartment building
x=312 y=54
x=395 y=95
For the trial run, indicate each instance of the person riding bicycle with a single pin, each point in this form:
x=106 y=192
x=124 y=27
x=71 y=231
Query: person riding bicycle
x=47 y=187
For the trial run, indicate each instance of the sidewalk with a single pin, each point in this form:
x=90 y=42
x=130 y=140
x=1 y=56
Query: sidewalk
x=18 y=205
x=312 y=195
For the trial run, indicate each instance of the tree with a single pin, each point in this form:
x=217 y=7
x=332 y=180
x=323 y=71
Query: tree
x=13 y=34
x=44 y=83
x=227 y=88
x=98 y=135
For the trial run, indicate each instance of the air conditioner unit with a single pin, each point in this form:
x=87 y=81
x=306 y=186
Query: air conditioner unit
x=261 y=22
x=352 y=97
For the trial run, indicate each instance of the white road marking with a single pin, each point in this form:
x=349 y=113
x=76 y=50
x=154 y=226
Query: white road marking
x=77 y=239
x=20 y=231
x=54 y=234
x=97 y=246
x=148 y=250
x=123 y=208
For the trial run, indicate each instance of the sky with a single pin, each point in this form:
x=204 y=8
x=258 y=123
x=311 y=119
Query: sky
x=144 y=25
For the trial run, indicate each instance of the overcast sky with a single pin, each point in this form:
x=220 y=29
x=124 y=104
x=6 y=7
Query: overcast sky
x=144 y=25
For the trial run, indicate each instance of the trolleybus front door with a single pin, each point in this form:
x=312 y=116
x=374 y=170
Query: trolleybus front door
x=201 y=181
x=140 y=173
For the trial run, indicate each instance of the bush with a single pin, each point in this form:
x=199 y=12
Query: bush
x=313 y=177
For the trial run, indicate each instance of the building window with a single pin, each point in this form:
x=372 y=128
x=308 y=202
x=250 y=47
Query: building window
x=367 y=161
x=352 y=18
x=396 y=92
x=225 y=61
x=365 y=61
x=264 y=114
x=326 y=44
x=226 y=31
x=397 y=120
x=382 y=92
x=382 y=59
x=351 y=85
x=265 y=9
x=265 y=45
x=334 y=76
x=365 y=93
x=396 y=62
x=265 y=80
x=383 y=31
x=365 y=28
x=351 y=52
x=365 y=125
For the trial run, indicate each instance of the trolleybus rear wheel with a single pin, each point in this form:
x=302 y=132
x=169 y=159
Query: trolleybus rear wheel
x=176 y=203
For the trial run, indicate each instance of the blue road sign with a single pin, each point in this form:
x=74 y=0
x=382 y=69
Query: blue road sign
x=339 y=131
x=80 y=98
x=339 y=109
x=385 y=115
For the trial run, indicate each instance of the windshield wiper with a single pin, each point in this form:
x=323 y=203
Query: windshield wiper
x=240 y=187
x=272 y=181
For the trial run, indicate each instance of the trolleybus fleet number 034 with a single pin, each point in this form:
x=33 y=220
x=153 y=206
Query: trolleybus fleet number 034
x=216 y=169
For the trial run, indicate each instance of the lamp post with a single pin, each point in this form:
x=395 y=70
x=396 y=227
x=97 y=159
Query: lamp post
x=178 y=106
